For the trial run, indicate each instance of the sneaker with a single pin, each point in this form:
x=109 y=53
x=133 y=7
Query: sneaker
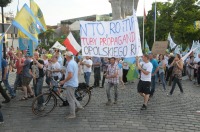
x=13 y=97
x=70 y=116
x=41 y=108
x=108 y=103
x=80 y=108
x=5 y=101
x=169 y=94
x=144 y=107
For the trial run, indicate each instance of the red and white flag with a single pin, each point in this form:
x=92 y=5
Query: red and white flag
x=71 y=44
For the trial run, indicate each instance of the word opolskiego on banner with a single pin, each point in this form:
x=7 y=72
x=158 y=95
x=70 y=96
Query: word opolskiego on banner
x=114 y=38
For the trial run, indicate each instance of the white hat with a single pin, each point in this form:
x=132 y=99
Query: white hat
x=69 y=53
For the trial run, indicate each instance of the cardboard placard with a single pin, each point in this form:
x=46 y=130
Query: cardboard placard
x=159 y=47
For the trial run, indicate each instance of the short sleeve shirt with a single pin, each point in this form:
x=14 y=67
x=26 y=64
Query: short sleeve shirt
x=26 y=67
x=155 y=65
x=85 y=68
x=147 y=67
x=39 y=72
x=72 y=67
x=96 y=60
x=112 y=70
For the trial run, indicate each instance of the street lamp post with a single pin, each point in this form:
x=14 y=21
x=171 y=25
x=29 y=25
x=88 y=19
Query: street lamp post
x=4 y=3
x=3 y=30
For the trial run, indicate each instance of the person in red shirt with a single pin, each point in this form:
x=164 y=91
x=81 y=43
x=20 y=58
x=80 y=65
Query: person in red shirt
x=10 y=56
x=18 y=79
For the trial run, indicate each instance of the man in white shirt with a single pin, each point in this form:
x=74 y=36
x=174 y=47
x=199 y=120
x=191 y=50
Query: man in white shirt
x=145 y=81
x=87 y=69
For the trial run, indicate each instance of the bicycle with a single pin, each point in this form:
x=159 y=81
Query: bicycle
x=45 y=103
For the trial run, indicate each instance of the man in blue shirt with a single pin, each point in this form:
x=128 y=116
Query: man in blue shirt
x=155 y=69
x=70 y=84
x=5 y=74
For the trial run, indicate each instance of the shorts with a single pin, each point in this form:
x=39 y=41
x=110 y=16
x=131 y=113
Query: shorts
x=144 y=87
x=26 y=81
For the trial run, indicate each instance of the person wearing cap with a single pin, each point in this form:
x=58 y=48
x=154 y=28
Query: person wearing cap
x=70 y=84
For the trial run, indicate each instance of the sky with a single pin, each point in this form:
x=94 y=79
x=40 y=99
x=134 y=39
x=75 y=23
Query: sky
x=56 y=10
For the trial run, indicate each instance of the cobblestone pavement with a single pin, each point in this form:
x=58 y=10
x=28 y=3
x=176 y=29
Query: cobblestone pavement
x=176 y=113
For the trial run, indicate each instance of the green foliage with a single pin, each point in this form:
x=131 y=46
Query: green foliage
x=4 y=3
x=177 y=18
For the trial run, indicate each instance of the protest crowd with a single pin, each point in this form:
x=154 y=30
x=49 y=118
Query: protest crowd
x=150 y=69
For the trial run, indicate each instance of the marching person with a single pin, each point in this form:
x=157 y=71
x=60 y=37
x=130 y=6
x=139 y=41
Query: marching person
x=177 y=73
x=5 y=74
x=155 y=69
x=37 y=72
x=144 y=84
x=113 y=80
x=1 y=116
x=26 y=78
x=70 y=84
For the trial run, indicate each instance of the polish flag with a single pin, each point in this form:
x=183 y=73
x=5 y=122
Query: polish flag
x=71 y=44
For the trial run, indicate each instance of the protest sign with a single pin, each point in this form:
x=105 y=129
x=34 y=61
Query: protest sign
x=159 y=47
x=118 y=38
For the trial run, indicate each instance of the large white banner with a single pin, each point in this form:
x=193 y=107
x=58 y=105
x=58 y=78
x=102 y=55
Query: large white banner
x=118 y=38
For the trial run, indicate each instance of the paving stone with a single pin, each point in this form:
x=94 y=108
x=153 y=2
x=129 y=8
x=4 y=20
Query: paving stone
x=164 y=114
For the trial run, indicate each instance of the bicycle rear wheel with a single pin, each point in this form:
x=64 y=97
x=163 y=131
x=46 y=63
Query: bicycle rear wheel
x=43 y=104
x=83 y=96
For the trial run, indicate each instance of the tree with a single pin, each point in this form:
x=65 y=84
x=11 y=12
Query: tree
x=4 y=3
x=177 y=18
x=46 y=36
x=163 y=20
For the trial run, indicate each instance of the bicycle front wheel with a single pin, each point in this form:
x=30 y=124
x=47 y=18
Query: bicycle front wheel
x=83 y=96
x=43 y=104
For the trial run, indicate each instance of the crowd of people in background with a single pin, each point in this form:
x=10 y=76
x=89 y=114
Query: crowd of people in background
x=40 y=67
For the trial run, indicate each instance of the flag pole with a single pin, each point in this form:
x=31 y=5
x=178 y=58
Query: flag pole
x=143 y=26
x=155 y=21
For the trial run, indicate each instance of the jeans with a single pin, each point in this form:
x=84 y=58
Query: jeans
x=97 y=74
x=176 y=81
x=153 y=84
x=8 y=87
x=4 y=94
x=18 y=81
x=87 y=77
x=110 y=85
x=162 y=79
x=38 y=89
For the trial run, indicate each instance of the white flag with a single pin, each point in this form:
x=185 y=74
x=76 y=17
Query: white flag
x=184 y=57
x=171 y=42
